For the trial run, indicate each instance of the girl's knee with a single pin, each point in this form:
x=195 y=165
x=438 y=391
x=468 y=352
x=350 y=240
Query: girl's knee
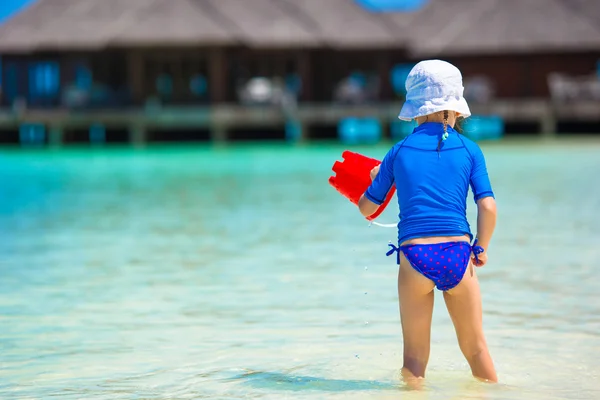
x=472 y=348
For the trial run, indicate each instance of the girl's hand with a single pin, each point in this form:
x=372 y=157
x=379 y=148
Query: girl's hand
x=374 y=173
x=482 y=259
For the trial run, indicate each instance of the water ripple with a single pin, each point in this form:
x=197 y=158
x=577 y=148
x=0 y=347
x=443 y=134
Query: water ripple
x=239 y=273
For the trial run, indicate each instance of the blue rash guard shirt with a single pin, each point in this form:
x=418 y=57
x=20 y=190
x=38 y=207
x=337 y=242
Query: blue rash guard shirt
x=432 y=186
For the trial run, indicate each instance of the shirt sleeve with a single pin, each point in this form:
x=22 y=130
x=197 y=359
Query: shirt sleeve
x=382 y=184
x=479 y=180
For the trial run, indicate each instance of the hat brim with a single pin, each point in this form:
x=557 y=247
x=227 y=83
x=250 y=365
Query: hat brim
x=413 y=109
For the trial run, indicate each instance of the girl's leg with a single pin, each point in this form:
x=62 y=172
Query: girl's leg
x=415 y=293
x=464 y=306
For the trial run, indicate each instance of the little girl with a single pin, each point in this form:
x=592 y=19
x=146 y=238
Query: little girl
x=433 y=169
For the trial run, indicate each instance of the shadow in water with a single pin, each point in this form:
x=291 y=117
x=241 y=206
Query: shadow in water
x=283 y=381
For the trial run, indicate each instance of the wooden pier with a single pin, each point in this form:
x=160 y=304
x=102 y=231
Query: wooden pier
x=220 y=120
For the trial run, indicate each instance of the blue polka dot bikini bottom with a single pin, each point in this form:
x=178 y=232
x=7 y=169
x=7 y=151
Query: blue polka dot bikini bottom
x=443 y=263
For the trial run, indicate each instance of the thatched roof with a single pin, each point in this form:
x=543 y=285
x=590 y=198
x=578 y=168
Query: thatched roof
x=167 y=22
x=442 y=27
x=589 y=9
x=344 y=24
x=75 y=24
x=262 y=23
x=500 y=26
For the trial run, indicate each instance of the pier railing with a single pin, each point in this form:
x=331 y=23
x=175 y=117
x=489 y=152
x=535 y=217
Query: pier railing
x=220 y=119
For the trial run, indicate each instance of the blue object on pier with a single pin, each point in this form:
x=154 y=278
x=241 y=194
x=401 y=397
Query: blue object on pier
x=97 y=134
x=398 y=75
x=400 y=129
x=32 y=134
x=199 y=86
x=83 y=77
x=489 y=127
x=359 y=130
x=293 y=131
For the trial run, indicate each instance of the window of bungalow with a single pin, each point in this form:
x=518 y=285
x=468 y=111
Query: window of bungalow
x=44 y=82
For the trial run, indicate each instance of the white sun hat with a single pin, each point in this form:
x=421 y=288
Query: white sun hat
x=432 y=86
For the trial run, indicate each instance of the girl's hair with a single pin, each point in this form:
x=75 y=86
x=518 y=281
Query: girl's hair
x=458 y=124
x=457 y=127
x=445 y=135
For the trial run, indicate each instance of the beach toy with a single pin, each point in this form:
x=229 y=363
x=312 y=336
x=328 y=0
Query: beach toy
x=353 y=178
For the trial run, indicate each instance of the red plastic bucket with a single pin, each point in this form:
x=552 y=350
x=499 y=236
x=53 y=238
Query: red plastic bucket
x=352 y=178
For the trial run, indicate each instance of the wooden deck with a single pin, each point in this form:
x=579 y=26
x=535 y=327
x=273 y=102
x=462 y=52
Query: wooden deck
x=219 y=119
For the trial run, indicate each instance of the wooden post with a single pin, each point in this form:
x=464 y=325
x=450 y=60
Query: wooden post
x=136 y=76
x=295 y=131
x=137 y=135
x=181 y=82
x=548 y=125
x=219 y=134
x=55 y=136
x=65 y=76
x=217 y=76
x=304 y=71
x=384 y=66
x=548 y=120
x=23 y=81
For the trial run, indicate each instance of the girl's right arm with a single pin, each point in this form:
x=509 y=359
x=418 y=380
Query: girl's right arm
x=382 y=179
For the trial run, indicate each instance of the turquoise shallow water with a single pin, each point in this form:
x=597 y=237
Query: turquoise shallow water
x=239 y=273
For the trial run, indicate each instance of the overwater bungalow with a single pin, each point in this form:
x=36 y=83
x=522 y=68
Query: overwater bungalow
x=145 y=70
